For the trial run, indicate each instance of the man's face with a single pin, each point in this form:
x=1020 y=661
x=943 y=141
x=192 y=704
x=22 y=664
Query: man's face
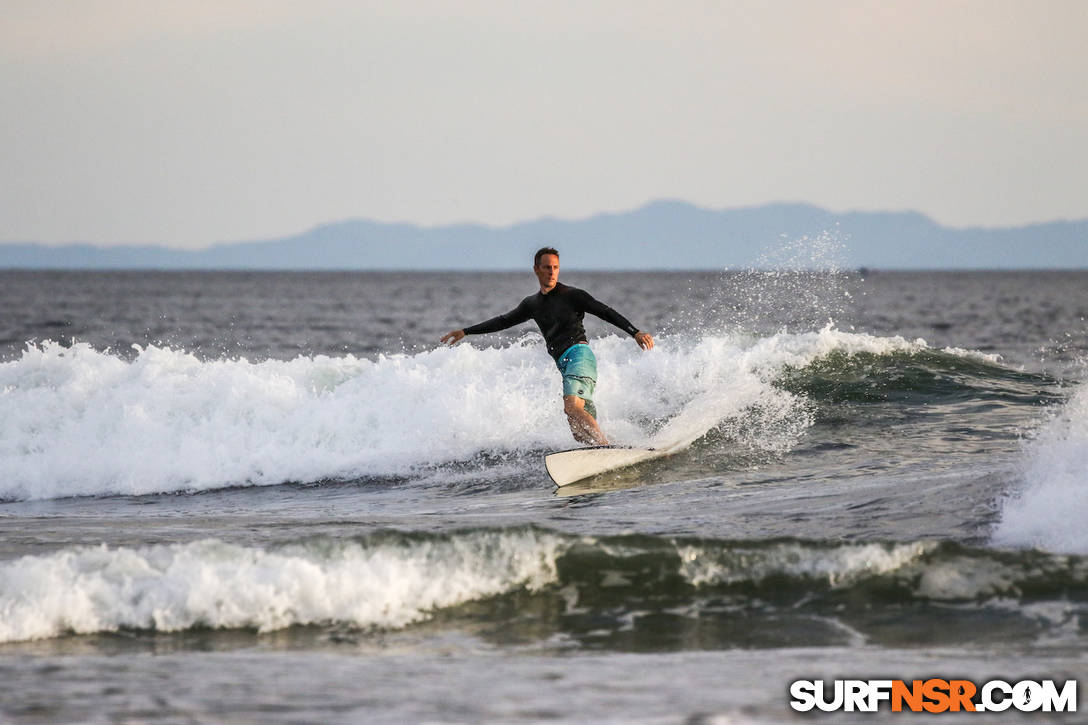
x=547 y=271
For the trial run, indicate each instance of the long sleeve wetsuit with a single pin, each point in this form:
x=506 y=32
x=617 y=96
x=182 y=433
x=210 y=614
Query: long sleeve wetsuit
x=559 y=314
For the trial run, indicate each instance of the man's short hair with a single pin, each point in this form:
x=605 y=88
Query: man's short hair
x=541 y=252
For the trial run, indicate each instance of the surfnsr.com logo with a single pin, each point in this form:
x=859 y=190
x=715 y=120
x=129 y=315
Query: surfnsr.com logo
x=933 y=695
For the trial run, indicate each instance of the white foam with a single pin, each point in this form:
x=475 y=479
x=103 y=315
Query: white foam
x=77 y=421
x=214 y=584
x=965 y=578
x=82 y=422
x=838 y=565
x=942 y=578
x=1049 y=509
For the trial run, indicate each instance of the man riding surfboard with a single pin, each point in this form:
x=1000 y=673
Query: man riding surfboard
x=559 y=310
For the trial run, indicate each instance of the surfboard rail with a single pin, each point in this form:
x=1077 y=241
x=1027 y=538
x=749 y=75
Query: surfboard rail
x=578 y=464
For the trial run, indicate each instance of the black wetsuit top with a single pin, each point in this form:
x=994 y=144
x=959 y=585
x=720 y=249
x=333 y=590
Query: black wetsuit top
x=559 y=313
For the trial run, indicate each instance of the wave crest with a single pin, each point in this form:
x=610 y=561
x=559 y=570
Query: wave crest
x=390 y=580
x=387 y=582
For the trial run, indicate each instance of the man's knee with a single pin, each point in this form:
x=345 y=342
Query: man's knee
x=572 y=404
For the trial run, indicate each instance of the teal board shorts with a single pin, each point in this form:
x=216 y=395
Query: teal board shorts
x=578 y=366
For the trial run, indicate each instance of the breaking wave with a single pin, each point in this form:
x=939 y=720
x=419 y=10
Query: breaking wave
x=625 y=591
x=75 y=421
x=378 y=583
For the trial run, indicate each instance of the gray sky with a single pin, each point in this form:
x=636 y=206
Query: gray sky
x=187 y=123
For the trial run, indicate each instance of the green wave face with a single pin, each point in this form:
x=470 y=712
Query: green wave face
x=644 y=593
x=925 y=376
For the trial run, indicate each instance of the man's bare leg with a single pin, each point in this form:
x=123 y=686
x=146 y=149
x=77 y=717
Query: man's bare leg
x=583 y=426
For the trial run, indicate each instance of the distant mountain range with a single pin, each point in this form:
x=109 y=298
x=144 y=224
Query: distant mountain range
x=659 y=235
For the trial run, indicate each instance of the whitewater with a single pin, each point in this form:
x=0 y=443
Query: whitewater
x=81 y=422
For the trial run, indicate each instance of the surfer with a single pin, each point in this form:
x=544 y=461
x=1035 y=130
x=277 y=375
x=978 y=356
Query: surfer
x=559 y=310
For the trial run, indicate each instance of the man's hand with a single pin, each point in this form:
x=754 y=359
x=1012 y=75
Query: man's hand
x=453 y=336
x=645 y=340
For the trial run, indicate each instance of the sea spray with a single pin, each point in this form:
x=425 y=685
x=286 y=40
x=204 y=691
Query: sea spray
x=797 y=285
x=1049 y=507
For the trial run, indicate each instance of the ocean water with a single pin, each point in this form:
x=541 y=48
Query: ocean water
x=273 y=497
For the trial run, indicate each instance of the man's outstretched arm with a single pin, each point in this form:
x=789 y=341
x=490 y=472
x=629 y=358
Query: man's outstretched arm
x=514 y=317
x=595 y=307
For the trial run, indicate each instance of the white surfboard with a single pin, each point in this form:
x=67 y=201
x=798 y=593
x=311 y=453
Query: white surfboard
x=577 y=464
